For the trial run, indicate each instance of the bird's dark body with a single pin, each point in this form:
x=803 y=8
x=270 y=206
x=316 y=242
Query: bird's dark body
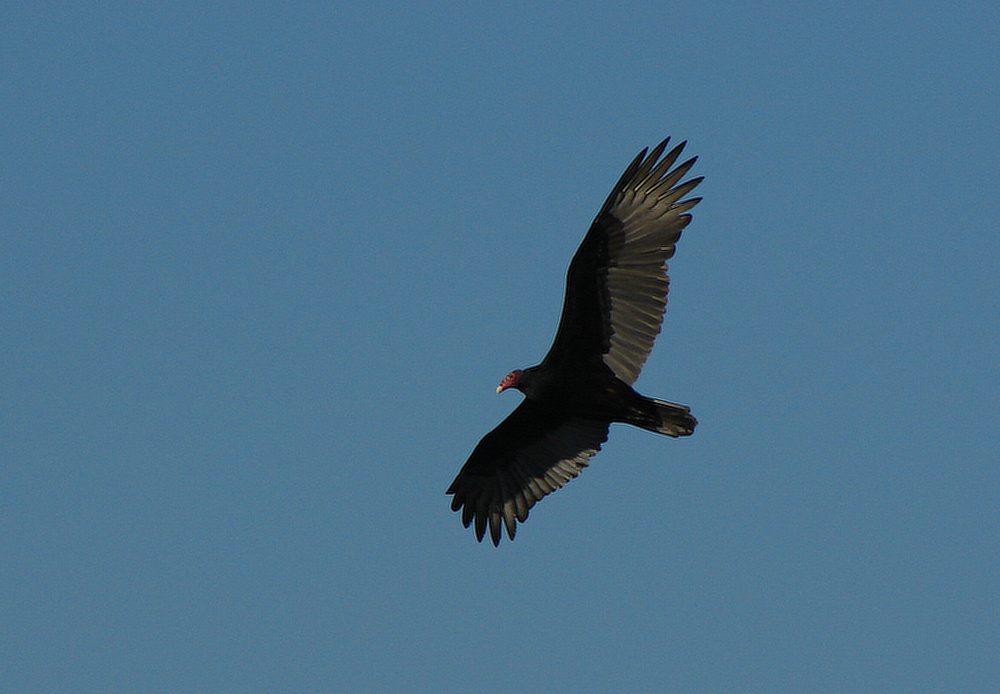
x=601 y=396
x=616 y=290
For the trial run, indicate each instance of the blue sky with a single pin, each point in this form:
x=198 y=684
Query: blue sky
x=263 y=265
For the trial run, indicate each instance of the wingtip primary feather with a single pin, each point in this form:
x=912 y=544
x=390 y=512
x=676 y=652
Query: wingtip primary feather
x=648 y=161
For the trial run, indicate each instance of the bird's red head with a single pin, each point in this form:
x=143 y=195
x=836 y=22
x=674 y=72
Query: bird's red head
x=510 y=380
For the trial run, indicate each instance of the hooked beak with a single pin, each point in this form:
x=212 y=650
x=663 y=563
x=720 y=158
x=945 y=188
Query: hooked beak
x=509 y=381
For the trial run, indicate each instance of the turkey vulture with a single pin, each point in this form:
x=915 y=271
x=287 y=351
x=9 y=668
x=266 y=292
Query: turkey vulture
x=616 y=291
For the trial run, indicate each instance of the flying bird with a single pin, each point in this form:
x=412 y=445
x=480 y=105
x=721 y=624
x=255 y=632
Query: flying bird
x=616 y=292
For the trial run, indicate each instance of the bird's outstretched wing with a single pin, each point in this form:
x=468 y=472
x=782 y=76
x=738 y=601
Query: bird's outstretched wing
x=616 y=286
x=528 y=455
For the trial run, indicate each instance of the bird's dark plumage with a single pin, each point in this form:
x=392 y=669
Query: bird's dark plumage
x=616 y=292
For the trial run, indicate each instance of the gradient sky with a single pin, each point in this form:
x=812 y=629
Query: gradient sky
x=262 y=266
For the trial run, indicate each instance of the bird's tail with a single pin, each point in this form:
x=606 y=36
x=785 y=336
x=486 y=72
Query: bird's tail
x=664 y=418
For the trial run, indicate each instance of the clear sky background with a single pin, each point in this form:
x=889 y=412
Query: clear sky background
x=263 y=264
